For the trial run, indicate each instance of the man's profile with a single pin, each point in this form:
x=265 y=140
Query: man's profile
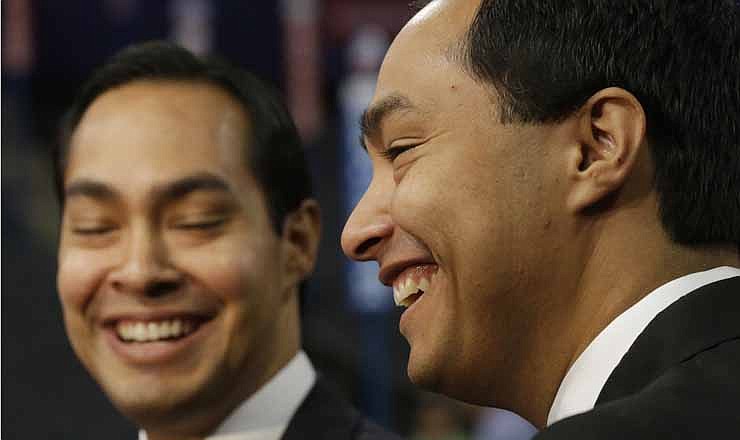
x=187 y=228
x=556 y=201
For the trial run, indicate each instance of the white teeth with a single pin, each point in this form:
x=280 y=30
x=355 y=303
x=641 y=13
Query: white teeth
x=404 y=289
x=125 y=332
x=164 y=329
x=153 y=331
x=140 y=332
x=175 y=327
x=396 y=295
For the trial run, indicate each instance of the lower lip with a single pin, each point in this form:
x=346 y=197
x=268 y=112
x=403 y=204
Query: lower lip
x=152 y=353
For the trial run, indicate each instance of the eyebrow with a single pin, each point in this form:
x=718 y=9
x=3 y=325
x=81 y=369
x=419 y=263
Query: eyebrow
x=162 y=193
x=373 y=117
x=89 y=188
x=196 y=182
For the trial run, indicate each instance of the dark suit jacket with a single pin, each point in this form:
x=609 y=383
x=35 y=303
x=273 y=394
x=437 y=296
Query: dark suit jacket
x=679 y=380
x=325 y=414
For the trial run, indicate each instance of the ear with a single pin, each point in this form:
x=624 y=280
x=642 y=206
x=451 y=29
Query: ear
x=300 y=242
x=611 y=133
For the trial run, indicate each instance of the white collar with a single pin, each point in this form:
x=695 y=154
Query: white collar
x=586 y=377
x=265 y=414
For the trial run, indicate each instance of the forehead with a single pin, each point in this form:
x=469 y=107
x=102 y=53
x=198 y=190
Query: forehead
x=446 y=18
x=154 y=130
x=423 y=59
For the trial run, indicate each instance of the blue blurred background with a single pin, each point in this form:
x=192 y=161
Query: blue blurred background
x=323 y=55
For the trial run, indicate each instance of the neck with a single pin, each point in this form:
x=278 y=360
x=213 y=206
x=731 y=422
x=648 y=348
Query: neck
x=616 y=270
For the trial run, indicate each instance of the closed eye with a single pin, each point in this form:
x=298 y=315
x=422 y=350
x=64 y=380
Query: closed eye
x=391 y=153
x=209 y=224
x=96 y=230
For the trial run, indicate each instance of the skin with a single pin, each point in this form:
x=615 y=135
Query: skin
x=541 y=234
x=163 y=218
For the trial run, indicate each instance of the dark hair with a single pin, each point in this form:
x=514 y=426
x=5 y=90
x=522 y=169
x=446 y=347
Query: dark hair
x=681 y=60
x=275 y=155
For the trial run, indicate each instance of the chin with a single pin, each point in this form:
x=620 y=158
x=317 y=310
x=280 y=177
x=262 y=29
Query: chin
x=139 y=400
x=425 y=371
x=144 y=399
x=422 y=379
x=436 y=381
x=440 y=376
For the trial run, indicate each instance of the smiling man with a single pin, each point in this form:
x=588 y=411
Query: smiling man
x=187 y=229
x=556 y=202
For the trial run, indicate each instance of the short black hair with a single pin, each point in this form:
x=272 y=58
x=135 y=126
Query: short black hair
x=679 y=58
x=275 y=155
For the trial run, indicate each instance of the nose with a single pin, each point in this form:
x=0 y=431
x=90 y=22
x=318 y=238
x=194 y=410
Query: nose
x=369 y=226
x=146 y=268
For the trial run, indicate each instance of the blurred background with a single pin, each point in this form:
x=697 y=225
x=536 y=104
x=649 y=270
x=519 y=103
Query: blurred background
x=323 y=55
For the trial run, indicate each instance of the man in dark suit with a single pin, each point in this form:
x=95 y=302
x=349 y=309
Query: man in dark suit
x=187 y=228
x=556 y=201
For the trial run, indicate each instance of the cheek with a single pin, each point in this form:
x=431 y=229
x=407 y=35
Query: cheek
x=78 y=278
x=224 y=273
x=449 y=210
x=462 y=211
x=234 y=273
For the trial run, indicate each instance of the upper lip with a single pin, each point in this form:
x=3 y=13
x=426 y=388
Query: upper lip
x=390 y=271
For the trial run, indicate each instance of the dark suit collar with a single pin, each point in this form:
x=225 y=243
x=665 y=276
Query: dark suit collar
x=700 y=320
x=324 y=413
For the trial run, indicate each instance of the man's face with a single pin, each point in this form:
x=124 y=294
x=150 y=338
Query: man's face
x=170 y=274
x=465 y=213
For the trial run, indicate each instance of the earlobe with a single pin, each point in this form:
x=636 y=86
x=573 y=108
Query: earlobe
x=611 y=133
x=301 y=235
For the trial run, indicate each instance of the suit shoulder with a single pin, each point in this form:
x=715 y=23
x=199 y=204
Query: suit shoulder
x=326 y=414
x=697 y=398
x=367 y=430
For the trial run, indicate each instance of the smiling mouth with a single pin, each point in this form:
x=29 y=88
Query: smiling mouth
x=412 y=283
x=133 y=331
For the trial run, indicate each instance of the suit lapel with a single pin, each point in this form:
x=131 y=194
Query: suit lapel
x=698 y=321
x=323 y=414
